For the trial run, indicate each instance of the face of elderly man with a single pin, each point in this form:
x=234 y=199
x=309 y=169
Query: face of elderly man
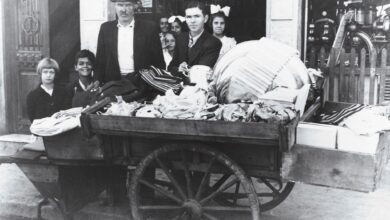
x=125 y=11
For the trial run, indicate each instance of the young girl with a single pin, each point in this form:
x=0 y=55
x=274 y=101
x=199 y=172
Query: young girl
x=218 y=24
x=47 y=98
x=176 y=23
x=170 y=43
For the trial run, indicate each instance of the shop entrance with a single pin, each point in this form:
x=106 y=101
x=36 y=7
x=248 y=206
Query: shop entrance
x=40 y=28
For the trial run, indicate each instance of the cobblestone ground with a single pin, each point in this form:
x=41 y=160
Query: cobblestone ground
x=18 y=200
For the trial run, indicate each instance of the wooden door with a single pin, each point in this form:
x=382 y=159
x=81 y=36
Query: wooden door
x=26 y=37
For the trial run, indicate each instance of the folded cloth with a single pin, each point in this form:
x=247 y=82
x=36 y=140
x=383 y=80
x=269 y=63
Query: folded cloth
x=366 y=122
x=122 y=87
x=337 y=117
x=160 y=79
x=37 y=145
x=59 y=122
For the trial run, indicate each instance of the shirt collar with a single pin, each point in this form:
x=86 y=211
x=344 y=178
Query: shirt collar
x=48 y=91
x=82 y=85
x=195 y=38
x=131 y=25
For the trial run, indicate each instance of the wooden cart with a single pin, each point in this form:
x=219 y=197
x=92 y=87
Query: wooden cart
x=192 y=169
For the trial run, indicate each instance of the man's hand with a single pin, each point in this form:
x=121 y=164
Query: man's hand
x=183 y=68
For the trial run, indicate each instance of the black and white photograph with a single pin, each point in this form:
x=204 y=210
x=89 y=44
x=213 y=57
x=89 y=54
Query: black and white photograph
x=194 y=109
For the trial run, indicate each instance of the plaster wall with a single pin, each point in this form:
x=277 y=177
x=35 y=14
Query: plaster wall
x=284 y=19
x=3 y=126
x=92 y=14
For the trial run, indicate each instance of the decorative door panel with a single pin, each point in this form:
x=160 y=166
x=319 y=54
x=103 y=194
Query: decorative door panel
x=26 y=43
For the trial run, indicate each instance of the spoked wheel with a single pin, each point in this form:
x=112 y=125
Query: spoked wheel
x=270 y=191
x=187 y=182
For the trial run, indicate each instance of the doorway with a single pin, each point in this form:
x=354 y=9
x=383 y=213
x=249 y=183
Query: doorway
x=42 y=28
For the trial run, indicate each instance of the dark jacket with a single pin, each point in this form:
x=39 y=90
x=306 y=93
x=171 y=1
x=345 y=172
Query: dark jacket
x=79 y=97
x=204 y=52
x=41 y=105
x=147 y=49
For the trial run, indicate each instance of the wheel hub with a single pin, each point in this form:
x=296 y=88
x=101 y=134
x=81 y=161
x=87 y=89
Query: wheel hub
x=193 y=207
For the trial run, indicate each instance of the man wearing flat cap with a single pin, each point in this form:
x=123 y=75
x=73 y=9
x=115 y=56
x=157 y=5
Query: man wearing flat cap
x=127 y=45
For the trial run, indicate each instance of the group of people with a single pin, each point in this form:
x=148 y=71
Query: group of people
x=126 y=46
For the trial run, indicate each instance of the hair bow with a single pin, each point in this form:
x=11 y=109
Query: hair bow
x=173 y=18
x=217 y=8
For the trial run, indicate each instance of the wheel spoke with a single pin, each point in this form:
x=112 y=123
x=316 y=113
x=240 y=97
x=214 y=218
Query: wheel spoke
x=187 y=175
x=227 y=208
x=173 y=180
x=267 y=183
x=236 y=193
x=210 y=217
x=162 y=191
x=220 y=182
x=205 y=177
x=159 y=207
x=212 y=195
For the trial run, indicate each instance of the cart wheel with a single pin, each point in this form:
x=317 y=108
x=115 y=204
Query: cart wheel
x=188 y=180
x=270 y=191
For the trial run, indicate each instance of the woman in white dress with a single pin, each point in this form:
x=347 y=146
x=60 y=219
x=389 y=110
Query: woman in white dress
x=218 y=24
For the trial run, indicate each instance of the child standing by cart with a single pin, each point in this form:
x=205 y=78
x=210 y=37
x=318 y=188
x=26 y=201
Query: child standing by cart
x=48 y=98
x=80 y=88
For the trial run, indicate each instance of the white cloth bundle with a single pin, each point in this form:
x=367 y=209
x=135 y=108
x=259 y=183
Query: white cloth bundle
x=254 y=67
x=59 y=122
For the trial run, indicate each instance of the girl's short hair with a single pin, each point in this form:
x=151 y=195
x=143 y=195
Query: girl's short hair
x=85 y=53
x=47 y=63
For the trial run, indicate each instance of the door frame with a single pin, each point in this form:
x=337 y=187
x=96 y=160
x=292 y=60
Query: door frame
x=21 y=59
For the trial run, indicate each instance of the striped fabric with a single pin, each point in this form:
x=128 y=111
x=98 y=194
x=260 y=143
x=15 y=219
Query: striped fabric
x=337 y=117
x=160 y=79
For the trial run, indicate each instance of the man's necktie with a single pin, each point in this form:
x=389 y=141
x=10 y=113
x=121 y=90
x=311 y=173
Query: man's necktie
x=191 y=42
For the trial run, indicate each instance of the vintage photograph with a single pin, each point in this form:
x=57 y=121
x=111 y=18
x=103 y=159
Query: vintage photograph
x=194 y=109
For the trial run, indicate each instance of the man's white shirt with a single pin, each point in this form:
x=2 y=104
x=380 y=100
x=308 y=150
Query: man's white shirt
x=126 y=47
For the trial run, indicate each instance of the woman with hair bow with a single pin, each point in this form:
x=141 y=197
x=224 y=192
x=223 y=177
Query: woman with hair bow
x=177 y=23
x=218 y=23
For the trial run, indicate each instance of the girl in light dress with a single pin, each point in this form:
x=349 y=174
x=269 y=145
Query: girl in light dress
x=218 y=25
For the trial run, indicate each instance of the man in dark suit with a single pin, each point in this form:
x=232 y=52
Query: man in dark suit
x=196 y=47
x=126 y=45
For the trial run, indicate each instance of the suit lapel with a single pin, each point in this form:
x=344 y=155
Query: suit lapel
x=194 y=52
x=114 y=40
x=137 y=42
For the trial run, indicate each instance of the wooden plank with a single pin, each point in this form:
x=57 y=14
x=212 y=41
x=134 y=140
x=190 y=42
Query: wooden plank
x=361 y=76
x=198 y=129
x=342 y=79
x=351 y=85
x=357 y=70
x=331 y=74
x=372 y=78
x=333 y=168
x=382 y=75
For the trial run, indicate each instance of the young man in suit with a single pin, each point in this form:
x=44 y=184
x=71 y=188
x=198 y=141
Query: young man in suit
x=197 y=47
x=127 y=45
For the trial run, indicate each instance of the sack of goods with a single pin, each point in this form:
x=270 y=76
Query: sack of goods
x=253 y=68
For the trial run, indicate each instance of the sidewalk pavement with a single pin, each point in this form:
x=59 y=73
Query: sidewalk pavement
x=19 y=199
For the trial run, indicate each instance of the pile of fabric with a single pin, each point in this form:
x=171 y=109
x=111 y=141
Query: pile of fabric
x=192 y=104
x=255 y=67
x=361 y=119
x=59 y=122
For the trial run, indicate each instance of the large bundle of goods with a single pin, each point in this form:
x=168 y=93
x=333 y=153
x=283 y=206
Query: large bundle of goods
x=253 y=68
